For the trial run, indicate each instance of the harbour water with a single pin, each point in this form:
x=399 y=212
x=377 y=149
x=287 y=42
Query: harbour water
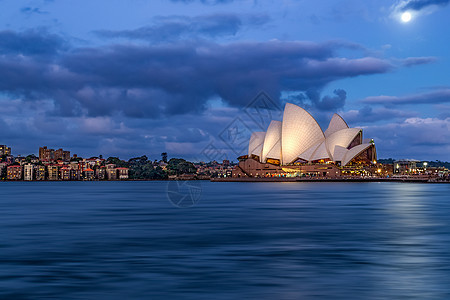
x=126 y=240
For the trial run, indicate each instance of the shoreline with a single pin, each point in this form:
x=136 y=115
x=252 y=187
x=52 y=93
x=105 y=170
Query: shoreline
x=246 y=179
x=295 y=179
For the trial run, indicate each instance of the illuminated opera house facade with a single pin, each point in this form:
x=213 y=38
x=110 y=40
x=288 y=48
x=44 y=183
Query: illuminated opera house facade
x=297 y=146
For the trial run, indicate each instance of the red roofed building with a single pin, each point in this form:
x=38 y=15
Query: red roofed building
x=88 y=174
x=65 y=173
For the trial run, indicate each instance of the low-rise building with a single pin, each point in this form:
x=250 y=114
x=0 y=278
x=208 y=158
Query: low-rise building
x=122 y=173
x=14 y=172
x=405 y=166
x=100 y=173
x=88 y=174
x=111 y=174
x=65 y=173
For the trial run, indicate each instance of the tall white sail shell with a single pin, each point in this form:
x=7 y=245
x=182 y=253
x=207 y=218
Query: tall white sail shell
x=272 y=142
x=256 y=143
x=300 y=131
x=337 y=123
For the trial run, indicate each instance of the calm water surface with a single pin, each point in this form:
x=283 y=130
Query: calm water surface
x=125 y=240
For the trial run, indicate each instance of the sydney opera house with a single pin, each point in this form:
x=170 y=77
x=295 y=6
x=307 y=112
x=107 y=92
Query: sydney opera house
x=297 y=146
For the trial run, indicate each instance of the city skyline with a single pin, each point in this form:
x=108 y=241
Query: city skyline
x=169 y=76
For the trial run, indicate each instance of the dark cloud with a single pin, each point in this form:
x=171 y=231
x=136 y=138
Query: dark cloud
x=172 y=28
x=368 y=114
x=421 y=4
x=433 y=97
x=30 y=42
x=311 y=100
x=148 y=81
x=190 y=74
x=330 y=103
x=119 y=98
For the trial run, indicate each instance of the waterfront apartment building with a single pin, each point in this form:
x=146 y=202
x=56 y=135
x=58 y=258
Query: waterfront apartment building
x=88 y=174
x=65 y=173
x=53 y=172
x=75 y=174
x=5 y=150
x=40 y=173
x=14 y=172
x=28 y=172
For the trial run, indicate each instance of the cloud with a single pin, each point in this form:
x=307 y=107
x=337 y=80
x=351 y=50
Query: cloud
x=155 y=80
x=413 y=61
x=31 y=42
x=122 y=98
x=368 y=114
x=433 y=97
x=412 y=135
x=32 y=10
x=417 y=5
x=167 y=29
x=311 y=100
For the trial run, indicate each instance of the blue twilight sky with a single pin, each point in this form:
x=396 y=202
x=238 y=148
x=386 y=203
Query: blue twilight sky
x=127 y=78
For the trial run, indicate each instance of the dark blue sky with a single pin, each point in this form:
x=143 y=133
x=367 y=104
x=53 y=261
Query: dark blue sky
x=140 y=77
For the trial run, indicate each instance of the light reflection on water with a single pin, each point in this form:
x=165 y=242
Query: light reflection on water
x=115 y=240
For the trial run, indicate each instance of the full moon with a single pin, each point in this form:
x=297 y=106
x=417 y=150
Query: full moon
x=406 y=17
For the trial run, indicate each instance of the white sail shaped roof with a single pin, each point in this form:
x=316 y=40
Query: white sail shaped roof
x=341 y=138
x=309 y=152
x=339 y=153
x=300 y=131
x=320 y=153
x=316 y=152
x=300 y=136
x=337 y=123
x=256 y=143
x=272 y=142
x=353 y=152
